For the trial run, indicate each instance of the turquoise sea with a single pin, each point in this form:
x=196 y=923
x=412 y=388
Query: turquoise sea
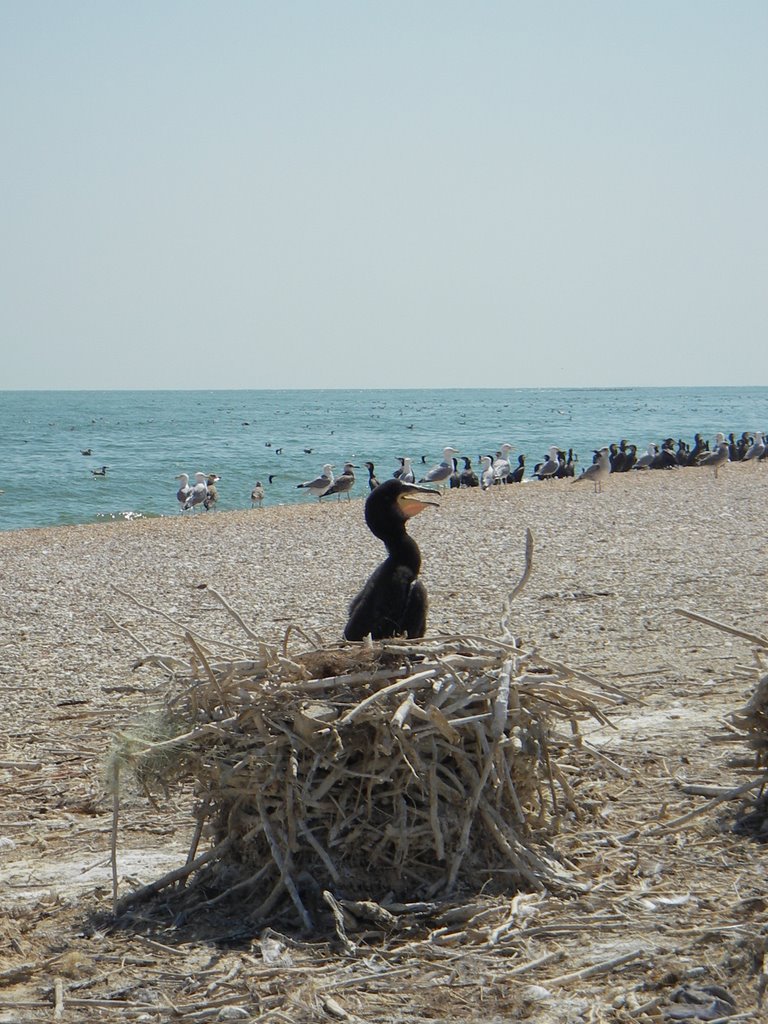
x=146 y=438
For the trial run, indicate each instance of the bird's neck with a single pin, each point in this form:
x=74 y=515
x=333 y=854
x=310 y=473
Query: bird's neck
x=403 y=550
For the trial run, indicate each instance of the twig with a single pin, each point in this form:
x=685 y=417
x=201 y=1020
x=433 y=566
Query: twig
x=731 y=794
x=520 y=584
x=754 y=638
x=173 y=876
x=604 y=967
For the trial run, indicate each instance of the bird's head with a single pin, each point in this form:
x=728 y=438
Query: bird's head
x=394 y=501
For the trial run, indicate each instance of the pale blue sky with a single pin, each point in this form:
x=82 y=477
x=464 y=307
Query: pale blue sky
x=359 y=194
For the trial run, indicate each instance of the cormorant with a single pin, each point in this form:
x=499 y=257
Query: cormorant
x=372 y=481
x=393 y=601
x=468 y=477
x=517 y=474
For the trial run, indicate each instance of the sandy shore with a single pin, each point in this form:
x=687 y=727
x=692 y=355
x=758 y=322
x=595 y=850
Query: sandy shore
x=78 y=605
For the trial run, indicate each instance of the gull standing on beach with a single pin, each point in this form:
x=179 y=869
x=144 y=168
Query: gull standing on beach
x=184 y=489
x=320 y=484
x=343 y=483
x=211 y=494
x=757 y=449
x=548 y=469
x=486 y=472
x=441 y=473
x=501 y=465
x=257 y=494
x=598 y=471
x=197 y=493
x=719 y=456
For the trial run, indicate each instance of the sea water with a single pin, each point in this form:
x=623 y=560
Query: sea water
x=282 y=438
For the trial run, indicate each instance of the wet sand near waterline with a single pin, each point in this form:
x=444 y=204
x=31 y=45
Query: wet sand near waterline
x=79 y=605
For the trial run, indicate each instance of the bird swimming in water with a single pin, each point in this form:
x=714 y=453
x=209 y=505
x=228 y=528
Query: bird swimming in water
x=100 y=472
x=211 y=494
x=598 y=471
x=441 y=473
x=184 y=489
x=343 y=483
x=257 y=494
x=393 y=601
x=197 y=493
x=320 y=484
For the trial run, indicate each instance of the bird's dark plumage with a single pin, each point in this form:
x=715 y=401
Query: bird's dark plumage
x=393 y=601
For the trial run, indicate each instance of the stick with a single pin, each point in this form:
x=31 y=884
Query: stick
x=521 y=583
x=752 y=637
x=173 y=876
x=589 y=972
x=731 y=794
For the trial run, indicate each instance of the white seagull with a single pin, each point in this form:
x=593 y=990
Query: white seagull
x=644 y=461
x=320 y=484
x=343 y=483
x=598 y=471
x=501 y=466
x=183 y=492
x=197 y=494
x=551 y=466
x=486 y=472
x=757 y=449
x=440 y=474
x=718 y=457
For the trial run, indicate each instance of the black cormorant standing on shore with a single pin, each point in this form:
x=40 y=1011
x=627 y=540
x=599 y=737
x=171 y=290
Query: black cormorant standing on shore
x=393 y=602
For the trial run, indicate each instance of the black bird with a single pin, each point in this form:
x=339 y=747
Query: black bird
x=393 y=602
x=372 y=481
x=468 y=477
x=517 y=474
x=100 y=472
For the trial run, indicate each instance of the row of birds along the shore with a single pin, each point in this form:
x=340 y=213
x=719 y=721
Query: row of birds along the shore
x=457 y=471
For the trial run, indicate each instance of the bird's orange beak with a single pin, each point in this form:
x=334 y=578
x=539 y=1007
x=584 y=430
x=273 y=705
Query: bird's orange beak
x=410 y=504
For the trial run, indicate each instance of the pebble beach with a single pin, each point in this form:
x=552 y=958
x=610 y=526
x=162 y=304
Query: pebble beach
x=81 y=604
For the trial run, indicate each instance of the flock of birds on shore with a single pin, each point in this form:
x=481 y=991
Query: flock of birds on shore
x=501 y=468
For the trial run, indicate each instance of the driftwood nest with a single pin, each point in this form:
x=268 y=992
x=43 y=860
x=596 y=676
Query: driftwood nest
x=392 y=772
